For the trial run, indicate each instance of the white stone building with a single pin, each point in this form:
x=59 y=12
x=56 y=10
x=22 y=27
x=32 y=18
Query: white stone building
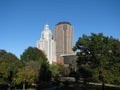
x=47 y=44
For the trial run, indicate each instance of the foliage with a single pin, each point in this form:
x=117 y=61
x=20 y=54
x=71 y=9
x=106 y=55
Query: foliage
x=34 y=54
x=73 y=65
x=101 y=55
x=9 y=65
x=27 y=74
x=54 y=69
x=33 y=60
x=44 y=73
x=62 y=69
x=2 y=52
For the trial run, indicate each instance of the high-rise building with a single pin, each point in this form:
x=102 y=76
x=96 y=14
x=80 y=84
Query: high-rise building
x=47 y=44
x=63 y=36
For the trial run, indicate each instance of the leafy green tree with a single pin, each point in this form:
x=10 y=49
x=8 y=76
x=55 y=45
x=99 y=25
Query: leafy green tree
x=27 y=74
x=62 y=70
x=54 y=69
x=2 y=52
x=44 y=73
x=9 y=65
x=73 y=65
x=36 y=66
x=34 y=54
x=100 y=56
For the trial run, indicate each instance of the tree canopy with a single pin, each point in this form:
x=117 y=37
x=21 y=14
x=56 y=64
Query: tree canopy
x=9 y=65
x=2 y=52
x=35 y=67
x=100 y=56
x=27 y=74
x=34 y=54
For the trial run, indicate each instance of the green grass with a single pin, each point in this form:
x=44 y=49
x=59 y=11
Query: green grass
x=31 y=89
x=77 y=87
x=87 y=87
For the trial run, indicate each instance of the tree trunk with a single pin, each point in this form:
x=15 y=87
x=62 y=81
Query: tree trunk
x=23 y=86
x=103 y=86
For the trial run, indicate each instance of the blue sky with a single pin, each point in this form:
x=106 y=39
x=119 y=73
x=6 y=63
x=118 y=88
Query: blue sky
x=21 y=21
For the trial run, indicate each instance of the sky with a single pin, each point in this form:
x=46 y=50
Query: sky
x=22 y=21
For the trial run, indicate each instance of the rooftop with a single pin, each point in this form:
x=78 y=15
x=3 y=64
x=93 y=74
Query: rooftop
x=64 y=22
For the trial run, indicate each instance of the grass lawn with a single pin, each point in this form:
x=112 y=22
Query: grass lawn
x=87 y=87
x=74 y=87
x=77 y=86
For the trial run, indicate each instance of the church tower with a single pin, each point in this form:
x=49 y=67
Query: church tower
x=47 y=44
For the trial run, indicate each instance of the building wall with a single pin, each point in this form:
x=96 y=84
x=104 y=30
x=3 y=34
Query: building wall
x=63 y=36
x=47 y=44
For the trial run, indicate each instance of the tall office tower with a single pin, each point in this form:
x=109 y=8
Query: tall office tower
x=47 y=44
x=63 y=36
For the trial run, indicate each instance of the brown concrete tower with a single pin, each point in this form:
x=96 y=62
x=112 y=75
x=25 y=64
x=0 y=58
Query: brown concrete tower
x=63 y=36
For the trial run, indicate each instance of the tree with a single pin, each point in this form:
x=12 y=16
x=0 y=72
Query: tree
x=28 y=74
x=44 y=73
x=36 y=74
x=54 y=69
x=34 y=54
x=98 y=55
x=9 y=65
x=62 y=70
x=73 y=65
x=2 y=52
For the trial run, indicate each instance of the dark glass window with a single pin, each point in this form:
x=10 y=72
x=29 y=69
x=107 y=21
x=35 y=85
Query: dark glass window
x=64 y=27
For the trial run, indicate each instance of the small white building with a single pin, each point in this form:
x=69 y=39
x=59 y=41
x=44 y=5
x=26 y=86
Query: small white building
x=47 y=44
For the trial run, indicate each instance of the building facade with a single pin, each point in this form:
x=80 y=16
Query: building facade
x=47 y=44
x=63 y=36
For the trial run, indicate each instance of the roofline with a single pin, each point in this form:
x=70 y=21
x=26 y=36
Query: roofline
x=64 y=22
x=68 y=54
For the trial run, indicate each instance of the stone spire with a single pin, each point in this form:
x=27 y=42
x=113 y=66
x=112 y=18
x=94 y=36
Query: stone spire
x=46 y=27
x=46 y=33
